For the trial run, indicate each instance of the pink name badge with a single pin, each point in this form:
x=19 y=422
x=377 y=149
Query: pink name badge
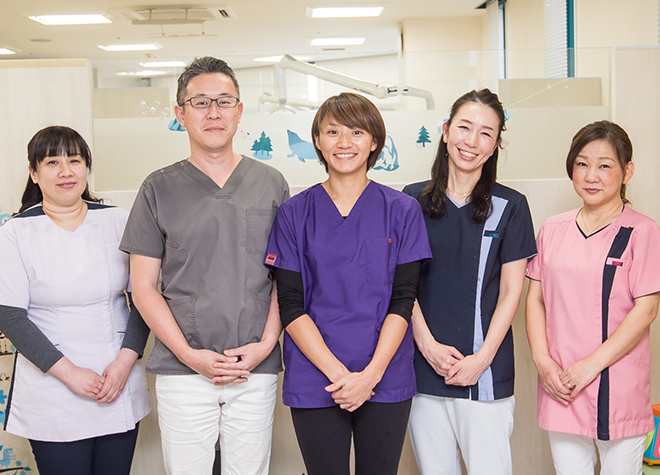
x=270 y=259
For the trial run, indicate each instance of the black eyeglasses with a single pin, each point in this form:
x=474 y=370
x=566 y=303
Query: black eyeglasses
x=224 y=102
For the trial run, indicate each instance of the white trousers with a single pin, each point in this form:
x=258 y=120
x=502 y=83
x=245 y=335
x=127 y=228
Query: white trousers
x=575 y=454
x=192 y=413
x=439 y=426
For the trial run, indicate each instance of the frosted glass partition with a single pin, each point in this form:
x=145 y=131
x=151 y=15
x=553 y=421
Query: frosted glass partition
x=544 y=113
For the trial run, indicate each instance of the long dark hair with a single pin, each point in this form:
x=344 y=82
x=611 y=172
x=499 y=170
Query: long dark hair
x=54 y=141
x=602 y=130
x=434 y=197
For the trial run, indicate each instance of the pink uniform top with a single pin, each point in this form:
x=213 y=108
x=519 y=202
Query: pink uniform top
x=589 y=286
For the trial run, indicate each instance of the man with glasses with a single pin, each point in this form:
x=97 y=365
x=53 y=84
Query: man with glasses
x=202 y=224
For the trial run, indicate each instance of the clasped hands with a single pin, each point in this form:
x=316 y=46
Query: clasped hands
x=103 y=388
x=564 y=385
x=351 y=390
x=231 y=366
x=458 y=370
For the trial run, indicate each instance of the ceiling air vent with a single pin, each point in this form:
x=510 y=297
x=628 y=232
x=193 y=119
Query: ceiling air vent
x=175 y=14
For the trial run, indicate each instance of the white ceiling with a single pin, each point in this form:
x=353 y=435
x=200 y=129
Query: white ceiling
x=261 y=28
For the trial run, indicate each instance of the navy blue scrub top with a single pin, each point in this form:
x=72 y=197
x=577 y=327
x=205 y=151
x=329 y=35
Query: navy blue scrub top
x=459 y=288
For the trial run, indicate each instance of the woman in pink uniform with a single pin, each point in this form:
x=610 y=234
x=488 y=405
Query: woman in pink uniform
x=593 y=294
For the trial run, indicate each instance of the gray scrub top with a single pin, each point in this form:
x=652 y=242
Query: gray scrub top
x=211 y=242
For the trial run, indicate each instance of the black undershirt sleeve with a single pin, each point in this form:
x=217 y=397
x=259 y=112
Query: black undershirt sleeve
x=28 y=339
x=291 y=295
x=137 y=332
x=404 y=289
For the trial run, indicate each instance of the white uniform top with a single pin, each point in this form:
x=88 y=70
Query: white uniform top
x=71 y=284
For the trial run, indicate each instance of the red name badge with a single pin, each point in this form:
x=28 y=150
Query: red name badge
x=614 y=261
x=270 y=259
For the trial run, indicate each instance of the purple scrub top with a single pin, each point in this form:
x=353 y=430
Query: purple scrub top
x=347 y=266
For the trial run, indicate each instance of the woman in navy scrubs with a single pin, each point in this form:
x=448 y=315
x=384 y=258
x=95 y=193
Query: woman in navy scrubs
x=346 y=254
x=481 y=236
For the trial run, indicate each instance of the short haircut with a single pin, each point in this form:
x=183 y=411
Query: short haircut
x=199 y=66
x=602 y=130
x=354 y=111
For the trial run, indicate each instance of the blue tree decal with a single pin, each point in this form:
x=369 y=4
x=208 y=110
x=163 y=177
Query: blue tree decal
x=262 y=148
x=423 y=138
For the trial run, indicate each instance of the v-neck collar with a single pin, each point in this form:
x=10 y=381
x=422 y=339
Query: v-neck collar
x=207 y=184
x=355 y=211
x=458 y=206
x=611 y=225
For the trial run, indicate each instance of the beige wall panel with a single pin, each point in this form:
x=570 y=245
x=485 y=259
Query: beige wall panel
x=637 y=110
x=525 y=38
x=568 y=92
x=602 y=23
x=637 y=102
x=537 y=140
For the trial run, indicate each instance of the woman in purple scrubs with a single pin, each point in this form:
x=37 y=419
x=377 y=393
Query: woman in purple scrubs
x=346 y=255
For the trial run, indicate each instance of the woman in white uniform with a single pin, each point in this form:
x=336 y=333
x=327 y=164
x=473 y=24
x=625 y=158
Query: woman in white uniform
x=77 y=393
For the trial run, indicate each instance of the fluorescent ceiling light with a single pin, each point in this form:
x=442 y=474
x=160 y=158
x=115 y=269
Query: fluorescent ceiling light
x=71 y=19
x=141 y=73
x=163 y=64
x=8 y=50
x=276 y=59
x=139 y=47
x=343 y=12
x=337 y=41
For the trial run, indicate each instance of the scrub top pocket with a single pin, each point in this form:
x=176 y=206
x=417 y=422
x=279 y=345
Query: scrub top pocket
x=259 y=222
x=376 y=257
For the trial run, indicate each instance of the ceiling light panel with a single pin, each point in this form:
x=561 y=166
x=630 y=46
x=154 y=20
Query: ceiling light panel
x=7 y=50
x=145 y=73
x=276 y=59
x=70 y=19
x=137 y=47
x=337 y=41
x=344 y=12
x=163 y=64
